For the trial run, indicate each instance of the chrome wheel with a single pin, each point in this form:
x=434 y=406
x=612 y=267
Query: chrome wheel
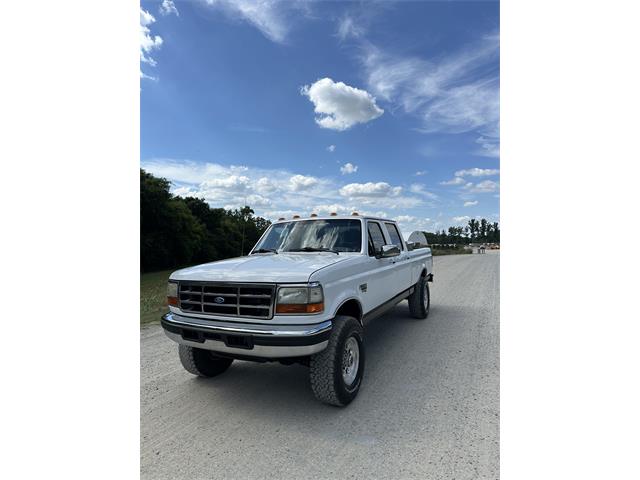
x=350 y=361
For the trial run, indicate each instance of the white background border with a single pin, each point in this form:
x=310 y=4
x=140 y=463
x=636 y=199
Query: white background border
x=569 y=258
x=69 y=112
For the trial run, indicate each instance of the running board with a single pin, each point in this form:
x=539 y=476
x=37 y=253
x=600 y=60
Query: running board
x=388 y=305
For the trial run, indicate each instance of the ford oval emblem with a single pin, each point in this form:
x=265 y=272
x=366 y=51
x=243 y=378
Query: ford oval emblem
x=219 y=300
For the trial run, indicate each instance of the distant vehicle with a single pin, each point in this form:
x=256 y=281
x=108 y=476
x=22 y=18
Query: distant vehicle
x=302 y=295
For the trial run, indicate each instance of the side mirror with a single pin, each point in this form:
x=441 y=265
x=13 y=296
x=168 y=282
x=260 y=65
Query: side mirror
x=411 y=245
x=387 y=251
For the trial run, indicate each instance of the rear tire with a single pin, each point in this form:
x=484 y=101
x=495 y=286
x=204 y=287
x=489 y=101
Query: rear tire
x=203 y=363
x=336 y=372
x=420 y=299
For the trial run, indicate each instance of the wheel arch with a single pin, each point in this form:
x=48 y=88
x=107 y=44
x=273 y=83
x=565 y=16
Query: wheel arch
x=352 y=308
x=428 y=275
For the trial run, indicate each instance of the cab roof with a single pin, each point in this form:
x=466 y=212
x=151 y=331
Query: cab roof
x=334 y=217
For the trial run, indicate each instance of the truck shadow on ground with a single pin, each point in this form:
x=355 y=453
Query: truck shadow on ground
x=282 y=394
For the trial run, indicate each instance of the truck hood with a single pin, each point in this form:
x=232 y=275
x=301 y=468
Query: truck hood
x=269 y=268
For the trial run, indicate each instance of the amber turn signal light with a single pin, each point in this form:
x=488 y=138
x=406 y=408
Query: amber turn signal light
x=300 y=308
x=172 y=301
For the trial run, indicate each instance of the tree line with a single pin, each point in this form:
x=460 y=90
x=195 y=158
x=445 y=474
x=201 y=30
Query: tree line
x=476 y=231
x=177 y=231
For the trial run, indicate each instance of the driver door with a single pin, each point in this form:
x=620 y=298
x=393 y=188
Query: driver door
x=380 y=279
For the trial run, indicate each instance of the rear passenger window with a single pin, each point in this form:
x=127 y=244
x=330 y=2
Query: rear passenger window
x=376 y=238
x=395 y=235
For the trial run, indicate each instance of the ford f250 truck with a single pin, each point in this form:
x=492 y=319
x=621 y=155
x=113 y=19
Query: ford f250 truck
x=303 y=295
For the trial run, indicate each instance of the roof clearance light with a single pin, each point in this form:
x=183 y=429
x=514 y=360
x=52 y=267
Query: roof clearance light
x=333 y=214
x=280 y=219
x=314 y=215
x=355 y=214
x=296 y=216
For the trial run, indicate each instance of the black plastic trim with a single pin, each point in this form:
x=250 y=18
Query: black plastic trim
x=380 y=309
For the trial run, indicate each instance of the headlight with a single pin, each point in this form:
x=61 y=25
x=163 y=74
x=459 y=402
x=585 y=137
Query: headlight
x=291 y=295
x=172 y=294
x=300 y=299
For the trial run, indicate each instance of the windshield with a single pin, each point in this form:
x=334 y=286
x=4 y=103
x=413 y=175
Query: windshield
x=312 y=236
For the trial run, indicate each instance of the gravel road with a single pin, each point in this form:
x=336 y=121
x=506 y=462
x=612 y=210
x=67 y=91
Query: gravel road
x=428 y=407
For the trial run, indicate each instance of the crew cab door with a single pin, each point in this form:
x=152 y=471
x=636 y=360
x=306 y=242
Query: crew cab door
x=403 y=275
x=380 y=278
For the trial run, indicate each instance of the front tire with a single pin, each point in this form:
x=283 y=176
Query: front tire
x=336 y=372
x=203 y=363
x=420 y=299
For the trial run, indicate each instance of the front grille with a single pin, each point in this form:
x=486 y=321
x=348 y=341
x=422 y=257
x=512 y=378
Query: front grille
x=228 y=299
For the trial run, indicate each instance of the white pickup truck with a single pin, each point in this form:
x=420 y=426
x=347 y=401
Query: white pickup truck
x=302 y=295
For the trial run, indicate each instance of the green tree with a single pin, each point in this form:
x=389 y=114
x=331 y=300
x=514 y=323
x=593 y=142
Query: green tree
x=483 y=229
x=178 y=231
x=169 y=234
x=473 y=229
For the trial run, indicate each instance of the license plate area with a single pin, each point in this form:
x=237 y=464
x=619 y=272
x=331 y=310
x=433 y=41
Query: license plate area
x=244 y=342
x=192 y=335
x=239 y=341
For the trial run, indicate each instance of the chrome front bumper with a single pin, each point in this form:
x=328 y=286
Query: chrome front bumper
x=246 y=339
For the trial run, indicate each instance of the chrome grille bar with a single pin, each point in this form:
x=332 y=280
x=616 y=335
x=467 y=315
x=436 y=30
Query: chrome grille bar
x=244 y=300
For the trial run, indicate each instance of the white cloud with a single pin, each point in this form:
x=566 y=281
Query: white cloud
x=148 y=41
x=470 y=203
x=453 y=181
x=147 y=77
x=490 y=146
x=264 y=185
x=348 y=168
x=459 y=93
x=477 y=172
x=462 y=219
x=302 y=182
x=334 y=207
x=420 y=189
x=370 y=189
x=410 y=223
x=464 y=108
x=347 y=28
x=339 y=106
x=234 y=183
x=167 y=7
x=146 y=18
x=271 y=17
x=405 y=218
x=276 y=192
x=331 y=148
x=186 y=171
x=419 y=173
x=255 y=200
x=486 y=186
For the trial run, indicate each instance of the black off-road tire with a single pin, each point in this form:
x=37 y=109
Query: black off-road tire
x=202 y=362
x=420 y=299
x=326 y=367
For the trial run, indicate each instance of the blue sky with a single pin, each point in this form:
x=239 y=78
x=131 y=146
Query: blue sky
x=389 y=108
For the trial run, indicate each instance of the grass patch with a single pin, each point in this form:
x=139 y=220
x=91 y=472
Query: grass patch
x=153 y=295
x=451 y=251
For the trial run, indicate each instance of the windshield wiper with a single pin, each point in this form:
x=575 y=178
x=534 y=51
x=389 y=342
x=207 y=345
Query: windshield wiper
x=314 y=249
x=266 y=250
